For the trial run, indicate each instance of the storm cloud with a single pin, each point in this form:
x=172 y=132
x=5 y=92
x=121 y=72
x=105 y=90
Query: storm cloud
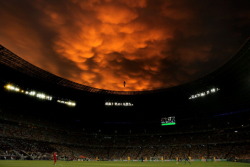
x=150 y=44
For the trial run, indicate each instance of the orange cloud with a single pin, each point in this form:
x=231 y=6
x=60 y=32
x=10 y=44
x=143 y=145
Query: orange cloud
x=101 y=43
x=111 y=14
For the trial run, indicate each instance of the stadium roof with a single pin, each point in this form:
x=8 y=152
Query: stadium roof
x=237 y=66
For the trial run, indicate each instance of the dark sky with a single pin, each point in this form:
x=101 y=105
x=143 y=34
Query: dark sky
x=150 y=44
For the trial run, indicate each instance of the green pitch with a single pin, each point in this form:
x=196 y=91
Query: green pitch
x=19 y=163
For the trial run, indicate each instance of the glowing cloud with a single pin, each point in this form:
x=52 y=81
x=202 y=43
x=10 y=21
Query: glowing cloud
x=101 y=43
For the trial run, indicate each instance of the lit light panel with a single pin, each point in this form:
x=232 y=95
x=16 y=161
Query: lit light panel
x=69 y=103
x=39 y=95
x=205 y=93
x=125 y=104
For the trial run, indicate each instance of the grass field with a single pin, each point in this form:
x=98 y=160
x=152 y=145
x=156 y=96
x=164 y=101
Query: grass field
x=17 y=163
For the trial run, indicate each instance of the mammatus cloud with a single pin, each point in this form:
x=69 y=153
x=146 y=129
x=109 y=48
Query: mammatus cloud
x=101 y=43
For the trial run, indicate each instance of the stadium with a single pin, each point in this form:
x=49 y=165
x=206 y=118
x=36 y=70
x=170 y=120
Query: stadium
x=124 y=83
x=206 y=120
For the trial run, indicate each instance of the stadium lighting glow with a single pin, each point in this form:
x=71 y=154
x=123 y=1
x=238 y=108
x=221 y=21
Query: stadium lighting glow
x=43 y=96
x=69 y=103
x=38 y=95
x=205 y=93
x=12 y=88
x=31 y=93
x=125 y=104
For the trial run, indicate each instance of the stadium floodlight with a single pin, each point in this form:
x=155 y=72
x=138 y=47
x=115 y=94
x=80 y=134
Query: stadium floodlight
x=69 y=103
x=32 y=93
x=43 y=96
x=213 y=90
x=38 y=95
x=9 y=87
x=125 y=104
x=12 y=88
x=49 y=98
x=202 y=94
x=16 y=89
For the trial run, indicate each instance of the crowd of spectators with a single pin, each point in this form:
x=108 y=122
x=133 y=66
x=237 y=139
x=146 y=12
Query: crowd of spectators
x=19 y=140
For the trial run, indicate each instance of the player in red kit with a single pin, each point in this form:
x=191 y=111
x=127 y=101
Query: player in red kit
x=55 y=157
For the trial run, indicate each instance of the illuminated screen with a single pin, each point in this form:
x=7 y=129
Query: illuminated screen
x=168 y=121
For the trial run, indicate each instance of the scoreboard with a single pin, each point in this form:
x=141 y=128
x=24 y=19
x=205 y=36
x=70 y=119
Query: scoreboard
x=168 y=121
